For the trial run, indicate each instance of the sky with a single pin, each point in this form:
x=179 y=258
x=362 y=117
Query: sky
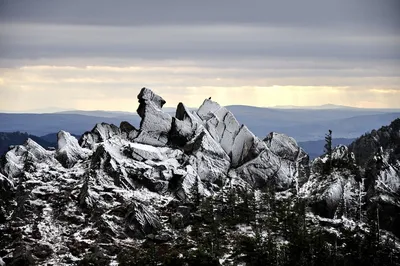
x=98 y=54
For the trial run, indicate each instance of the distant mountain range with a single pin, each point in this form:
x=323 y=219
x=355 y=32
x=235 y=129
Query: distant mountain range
x=76 y=123
x=172 y=109
x=333 y=106
x=309 y=124
x=302 y=124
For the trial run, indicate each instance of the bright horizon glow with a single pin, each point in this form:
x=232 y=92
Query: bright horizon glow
x=112 y=88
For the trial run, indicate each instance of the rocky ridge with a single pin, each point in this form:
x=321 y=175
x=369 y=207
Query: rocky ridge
x=118 y=186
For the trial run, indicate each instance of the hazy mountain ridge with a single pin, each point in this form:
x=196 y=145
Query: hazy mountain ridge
x=302 y=124
x=42 y=124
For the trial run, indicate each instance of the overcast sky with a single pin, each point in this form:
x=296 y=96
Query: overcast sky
x=98 y=54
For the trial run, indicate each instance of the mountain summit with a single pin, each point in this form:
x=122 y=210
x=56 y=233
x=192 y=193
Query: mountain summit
x=119 y=187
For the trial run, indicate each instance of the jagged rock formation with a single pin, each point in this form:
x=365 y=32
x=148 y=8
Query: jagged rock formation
x=155 y=124
x=99 y=133
x=387 y=137
x=120 y=185
x=365 y=179
x=337 y=193
x=69 y=152
x=378 y=154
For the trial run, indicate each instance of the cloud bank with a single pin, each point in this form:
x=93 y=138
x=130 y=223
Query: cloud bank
x=98 y=54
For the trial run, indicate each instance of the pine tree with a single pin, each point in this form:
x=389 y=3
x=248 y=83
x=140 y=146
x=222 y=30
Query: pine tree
x=196 y=197
x=328 y=152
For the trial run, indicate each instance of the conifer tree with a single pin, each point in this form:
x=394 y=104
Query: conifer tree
x=328 y=152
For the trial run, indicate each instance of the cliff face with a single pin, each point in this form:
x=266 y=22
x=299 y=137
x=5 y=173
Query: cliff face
x=120 y=185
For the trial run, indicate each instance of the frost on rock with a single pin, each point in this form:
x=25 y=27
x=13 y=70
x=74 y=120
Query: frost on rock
x=383 y=188
x=25 y=157
x=191 y=185
x=69 y=152
x=386 y=176
x=155 y=124
x=6 y=192
x=207 y=157
x=336 y=193
x=142 y=217
x=5 y=184
x=185 y=126
x=236 y=140
x=287 y=148
x=100 y=133
x=284 y=146
x=277 y=159
x=268 y=168
x=143 y=152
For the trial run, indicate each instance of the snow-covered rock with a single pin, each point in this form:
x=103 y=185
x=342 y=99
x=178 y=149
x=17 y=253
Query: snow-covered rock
x=268 y=168
x=26 y=157
x=336 y=192
x=185 y=126
x=155 y=124
x=69 y=151
x=284 y=146
x=236 y=140
x=100 y=133
x=5 y=184
x=143 y=152
x=207 y=157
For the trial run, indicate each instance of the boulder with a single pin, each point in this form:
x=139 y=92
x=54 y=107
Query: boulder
x=287 y=149
x=235 y=140
x=69 y=152
x=284 y=146
x=267 y=168
x=126 y=127
x=155 y=124
x=25 y=158
x=184 y=127
x=128 y=131
x=100 y=133
x=142 y=152
x=207 y=157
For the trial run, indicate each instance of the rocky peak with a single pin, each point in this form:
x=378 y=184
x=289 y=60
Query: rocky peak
x=236 y=140
x=155 y=124
x=69 y=151
x=147 y=96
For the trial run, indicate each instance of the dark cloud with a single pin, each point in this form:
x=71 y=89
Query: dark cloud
x=154 y=12
x=193 y=42
x=180 y=29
